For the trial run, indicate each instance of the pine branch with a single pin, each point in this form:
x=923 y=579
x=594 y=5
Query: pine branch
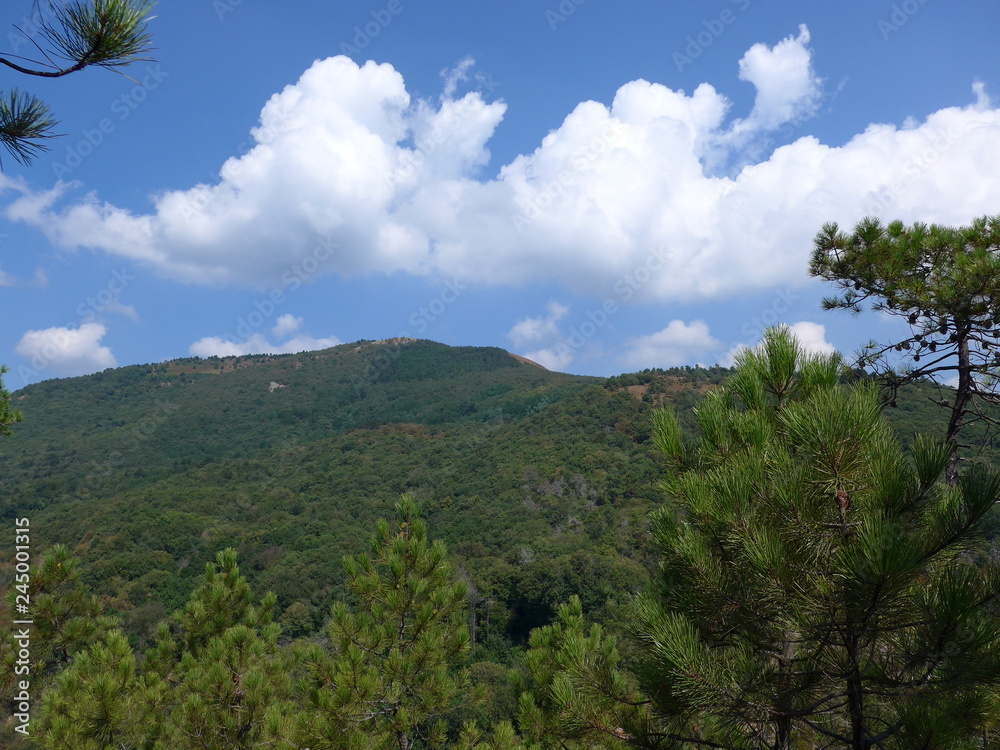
x=25 y=125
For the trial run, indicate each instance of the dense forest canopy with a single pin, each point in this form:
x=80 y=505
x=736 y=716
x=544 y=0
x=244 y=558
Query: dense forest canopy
x=541 y=485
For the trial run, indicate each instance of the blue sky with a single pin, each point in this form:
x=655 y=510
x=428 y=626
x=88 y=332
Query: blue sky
x=599 y=186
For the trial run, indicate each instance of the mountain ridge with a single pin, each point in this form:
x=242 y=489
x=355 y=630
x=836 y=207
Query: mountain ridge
x=541 y=483
x=147 y=471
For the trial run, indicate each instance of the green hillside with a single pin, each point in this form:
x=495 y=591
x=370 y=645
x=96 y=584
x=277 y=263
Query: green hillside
x=539 y=482
x=138 y=423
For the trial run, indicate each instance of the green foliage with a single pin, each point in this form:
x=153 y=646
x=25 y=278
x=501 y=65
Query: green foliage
x=541 y=484
x=8 y=414
x=214 y=680
x=580 y=694
x=93 y=704
x=26 y=124
x=234 y=694
x=502 y=737
x=943 y=282
x=222 y=601
x=815 y=581
x=104 y=33
x=217 y=663
x=297 y=619
x=659 y=380
x=541 y=489
x=66 y=617
x=388 y=681
x=66 y=620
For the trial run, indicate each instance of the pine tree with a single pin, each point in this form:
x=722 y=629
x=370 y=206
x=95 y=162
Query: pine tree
x=95 y=704
x=580 y=694
x=943 y=282
x=234 y=696
x=503 y=737
x=66 y=618
x=391 y=680
x=818 y=587
x=213 y=681
x=221 y=601
x=227 y=686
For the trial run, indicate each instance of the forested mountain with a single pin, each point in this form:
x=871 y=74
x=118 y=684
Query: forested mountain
x=541 y=484
x=539 y=481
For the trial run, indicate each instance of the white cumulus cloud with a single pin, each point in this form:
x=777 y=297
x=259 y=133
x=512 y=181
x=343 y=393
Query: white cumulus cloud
x=345 y=155
x=555 y=358
x=812 y=337
x=679 y=343
x=529 y=330
x=67 y=351
x=258 y=343
x=787 y=86
x=286 y=325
